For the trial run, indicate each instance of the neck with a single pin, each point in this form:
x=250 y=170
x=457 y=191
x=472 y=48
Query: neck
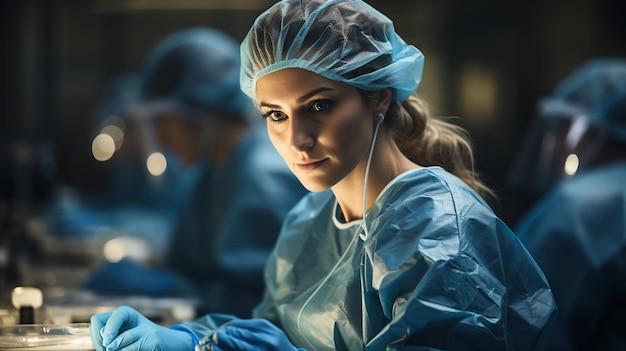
x=388 y=162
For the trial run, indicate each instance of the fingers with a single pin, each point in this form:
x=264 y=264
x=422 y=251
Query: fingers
x=121 y=319
x=130 y=337
x=228 y=342
x=236 y=338
x=97 y=323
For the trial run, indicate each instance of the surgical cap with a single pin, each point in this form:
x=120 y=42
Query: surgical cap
x=197 y=68
x=597 y=90
x=121 y=92
x=343 y=40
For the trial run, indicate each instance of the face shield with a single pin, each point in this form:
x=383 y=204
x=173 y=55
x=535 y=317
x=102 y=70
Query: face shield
x=574 y=126
x=560 y=143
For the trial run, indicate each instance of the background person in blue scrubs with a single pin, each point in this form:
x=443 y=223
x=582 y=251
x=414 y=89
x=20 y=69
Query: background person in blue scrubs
x=191 y=95
x=577 y=231
x=134 y=202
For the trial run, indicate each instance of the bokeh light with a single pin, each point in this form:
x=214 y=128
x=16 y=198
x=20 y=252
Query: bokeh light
x=571 y=164
x=156 y=164
x=126 y=247
x=103 y=147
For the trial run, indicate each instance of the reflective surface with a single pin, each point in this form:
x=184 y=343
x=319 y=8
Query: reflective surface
x=74 y=336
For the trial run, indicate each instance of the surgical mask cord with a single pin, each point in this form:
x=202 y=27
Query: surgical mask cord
x=365 y=233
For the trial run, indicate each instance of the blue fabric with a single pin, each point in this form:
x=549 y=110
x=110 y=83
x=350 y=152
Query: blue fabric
x=196 y=67
x=247 y=334
x=232 y=223
x=129 y=277
x=577 y=234
x=132 y=197
x=439 y=271
x=343 y=40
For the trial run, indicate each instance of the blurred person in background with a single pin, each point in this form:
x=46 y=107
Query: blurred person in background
x=134 y=202
x=577 y=231
x=190 y=94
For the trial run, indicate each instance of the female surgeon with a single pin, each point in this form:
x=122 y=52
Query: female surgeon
x=395 y=248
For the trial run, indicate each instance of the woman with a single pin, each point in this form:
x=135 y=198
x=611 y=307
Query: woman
x=395 y=249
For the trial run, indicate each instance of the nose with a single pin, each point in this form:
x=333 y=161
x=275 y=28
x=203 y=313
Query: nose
x=302 y=137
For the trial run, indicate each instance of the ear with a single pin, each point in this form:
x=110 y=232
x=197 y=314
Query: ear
x=384 y=101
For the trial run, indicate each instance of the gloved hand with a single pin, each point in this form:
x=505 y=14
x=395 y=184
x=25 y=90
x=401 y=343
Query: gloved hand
x=125 y=329
x=130 y=277
x=248 y=335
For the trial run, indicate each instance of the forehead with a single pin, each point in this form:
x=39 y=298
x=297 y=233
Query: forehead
x=292 y=83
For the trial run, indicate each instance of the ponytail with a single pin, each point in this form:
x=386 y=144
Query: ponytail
x=432 y=141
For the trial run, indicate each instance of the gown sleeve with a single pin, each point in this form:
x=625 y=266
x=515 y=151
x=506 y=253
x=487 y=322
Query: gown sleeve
x=474 y=285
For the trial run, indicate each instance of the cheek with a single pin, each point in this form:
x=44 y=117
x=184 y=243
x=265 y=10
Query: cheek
x=350 y=132
x=277 y=140
x=347 y=128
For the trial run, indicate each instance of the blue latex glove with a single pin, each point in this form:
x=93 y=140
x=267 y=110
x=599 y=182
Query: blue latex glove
x=130 y=277
x=125 y=329
x=248 y=335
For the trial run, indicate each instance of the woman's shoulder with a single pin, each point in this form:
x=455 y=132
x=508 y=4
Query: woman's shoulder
x=436 y=214
x=432 y=186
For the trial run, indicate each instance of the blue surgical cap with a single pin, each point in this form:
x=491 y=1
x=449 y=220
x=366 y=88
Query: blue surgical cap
x=119 y=94
x=343 y=40
x=195 y=68
x=598 y=91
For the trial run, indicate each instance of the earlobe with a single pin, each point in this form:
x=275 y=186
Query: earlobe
x=380 y=118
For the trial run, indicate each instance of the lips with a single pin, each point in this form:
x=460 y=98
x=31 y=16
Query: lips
x=307 y=166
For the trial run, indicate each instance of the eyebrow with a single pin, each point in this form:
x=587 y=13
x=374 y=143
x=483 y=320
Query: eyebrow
x=301 y=99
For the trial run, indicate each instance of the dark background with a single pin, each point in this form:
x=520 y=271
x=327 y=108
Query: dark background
x=487 y=61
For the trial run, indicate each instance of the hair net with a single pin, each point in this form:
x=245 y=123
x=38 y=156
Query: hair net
x=343 y=40
x=597 y=92
x=195 y=68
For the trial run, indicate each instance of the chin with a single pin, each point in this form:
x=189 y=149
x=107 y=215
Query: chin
x=314 y=186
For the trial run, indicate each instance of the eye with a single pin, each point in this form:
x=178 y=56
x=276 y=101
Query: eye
x=275 y=115
x=320 y=105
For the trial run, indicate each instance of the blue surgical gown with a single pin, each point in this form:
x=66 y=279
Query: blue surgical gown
x=438 y=271
x=231 y=224
x=134 y=204
x=577 y=234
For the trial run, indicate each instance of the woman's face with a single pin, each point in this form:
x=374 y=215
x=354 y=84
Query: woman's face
x=321 y=128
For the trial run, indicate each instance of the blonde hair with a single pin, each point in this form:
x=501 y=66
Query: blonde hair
x=432 y=141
